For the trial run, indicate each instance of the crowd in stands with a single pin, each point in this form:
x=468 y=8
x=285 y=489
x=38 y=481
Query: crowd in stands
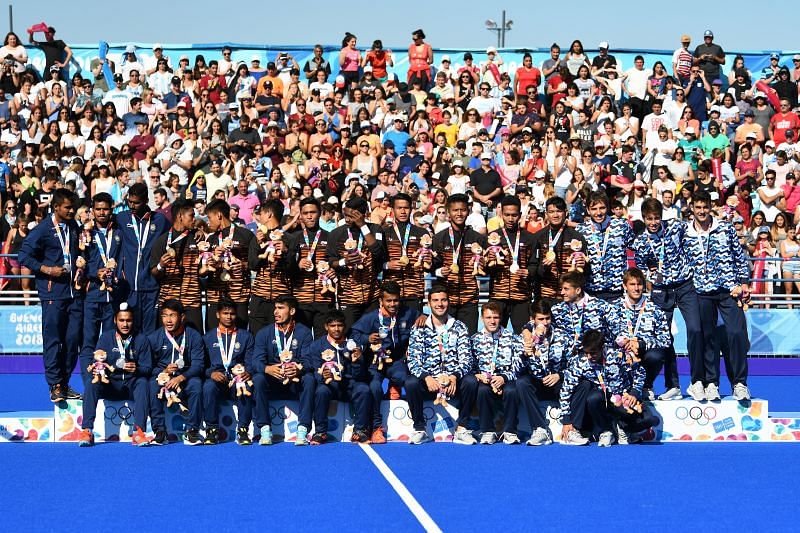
x=314 y=181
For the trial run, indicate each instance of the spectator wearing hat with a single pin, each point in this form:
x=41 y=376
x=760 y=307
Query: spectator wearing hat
x=769 y=74
x=715 y=139
x=486 y=185
x=473 y=70
x=603 y=62
x=709 y=56
x=175 y=96
x=791 y=147
x=273 y=77
x=118 y=96
x=56 y=52
x=786 y=88
x=749 y=130
x=130 y=62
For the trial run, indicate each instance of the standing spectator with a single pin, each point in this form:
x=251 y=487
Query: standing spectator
x=709 y=57
x=635 y=86
x=56 y=52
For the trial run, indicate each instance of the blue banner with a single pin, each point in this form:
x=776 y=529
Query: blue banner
x=83 y=54
x=771 y=332
x=20 y=330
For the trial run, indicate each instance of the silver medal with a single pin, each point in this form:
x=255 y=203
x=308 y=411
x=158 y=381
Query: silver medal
x=514 y=268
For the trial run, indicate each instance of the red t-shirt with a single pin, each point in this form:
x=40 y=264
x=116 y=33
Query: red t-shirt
x=214 y=86
x=792 y=196
x=746 y=166
x=780 y=123
x=527 y=77
x=377 y=58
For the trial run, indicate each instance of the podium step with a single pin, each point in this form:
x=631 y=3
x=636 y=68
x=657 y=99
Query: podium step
x=785 y=427
x=26 y=426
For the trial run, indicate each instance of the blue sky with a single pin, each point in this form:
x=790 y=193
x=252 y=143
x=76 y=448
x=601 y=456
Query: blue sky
x=451 y=24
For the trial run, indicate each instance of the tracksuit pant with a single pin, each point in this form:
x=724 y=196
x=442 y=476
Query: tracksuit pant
x=191 y=396
x=531 y=391
x=653 y=361
x=261 y=313
x=62 y=325
x=313 y=316
x=589 y=408
x=736 y=334
x=357 y=392
x=214 y=393
x=417 y=392
x=517 y=312
x=486 y=407
x=684 y=297
x=466 y=313
x=97 y=317
x=267 y=389
x=145 y=313
x=634 y=422
x=129 y=388
x=396 y=373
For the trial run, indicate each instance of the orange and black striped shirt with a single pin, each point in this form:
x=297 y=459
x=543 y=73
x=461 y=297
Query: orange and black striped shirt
x=462 y=286
x=503 y=285
x=238 y=288
x=272 y=280
x=548 y=277
x=410 y=278
x=305 y=285
x=357 y=286
x=180 y=278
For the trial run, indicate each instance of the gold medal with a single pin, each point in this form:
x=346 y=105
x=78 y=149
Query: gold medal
x=225 y=276
x=403 y=260
x=170 y=251
x=550 y=255
x=454 y=268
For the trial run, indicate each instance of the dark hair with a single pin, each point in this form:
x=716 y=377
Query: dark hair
x=492 y=305
x=402 y=196
x=597 y=197
x=701 y=196
x=139 y=190
x=310 y=201
x=457 y=198
x=273 y=206
x=358 y=204
x=557 y=202
x=651 y=206
x=179 y=206
x=437 y=288
x=334 y=315
x=225 y=302
x=61 y=195
x=419 y=33
x=287 y=300
x=633 y=273
x=510 y=201
x=574 y=278
x=173 y=305
x=593 y=341
x=541 y=307
x=219 y=206
x=347 y=37
x=102 y=198
x=390 y=287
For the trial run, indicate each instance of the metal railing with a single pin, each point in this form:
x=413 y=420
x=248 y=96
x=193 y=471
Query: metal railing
x=758 y=300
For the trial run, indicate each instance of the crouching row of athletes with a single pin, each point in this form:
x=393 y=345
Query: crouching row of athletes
x=597 y=359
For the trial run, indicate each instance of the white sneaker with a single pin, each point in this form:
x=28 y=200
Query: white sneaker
x=266 y=436
x=574 y=438
x=510 y=438
x=606 y=439
x=464 y=436
x=622 y=437
x=672 y=394
x=540 y=437
x=648 y=394
x=696 y=391
x=741 y=392
x=712 y=393
x=419 y=437
x=488 y=438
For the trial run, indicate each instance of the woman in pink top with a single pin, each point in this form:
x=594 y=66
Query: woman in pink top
x=420 y=58
x=349 y=60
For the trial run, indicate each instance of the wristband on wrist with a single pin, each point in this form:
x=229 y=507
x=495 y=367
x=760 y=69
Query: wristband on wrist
x=342 y=262
x=365 y=230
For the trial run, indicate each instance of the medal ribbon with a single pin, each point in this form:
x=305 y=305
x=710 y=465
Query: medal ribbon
x=456 y=251
x=629 y=308
x=63 y=241
x=312 y=247
x=226 y=352
x=404 y=239
x=123 y=345
x=360 y=239
x=552 y=241
x=175 y=346
x=280 y=335
x=104 y=249
x=513 y=249
x=141 y=241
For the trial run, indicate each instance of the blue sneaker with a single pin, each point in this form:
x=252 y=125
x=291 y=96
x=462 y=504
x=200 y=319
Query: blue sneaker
x=302 y=436
x=266 y=435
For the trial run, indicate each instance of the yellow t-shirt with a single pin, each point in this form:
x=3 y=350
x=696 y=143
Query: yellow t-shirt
x=450 y=131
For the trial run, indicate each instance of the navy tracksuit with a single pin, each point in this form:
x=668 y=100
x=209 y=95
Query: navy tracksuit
x=530 y=389
x=353 y=386
x=62 y=305
x=213 y=392
x=266 y=388
x=122 y=385
x=140 y=286
x=99 y=307
x=396 y=343
x=192 y=389
x=498 y=354
x=672 y=288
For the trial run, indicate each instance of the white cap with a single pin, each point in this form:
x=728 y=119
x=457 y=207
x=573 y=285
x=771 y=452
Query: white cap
x=368 y=68
x=690 y=130
x=27 y=164
x=340 y=81
x=639 y=184
x=603 y=45
x=486 y=155
x=130 y=49
x=713 y=108
x=770 y=143
x=601 y=143
x=184 y=56
x=272 y=124
x=491 y=50
x=539 y=174
x=158 y=46
x=365 y=124
x=255 y=57
x=50 y=164
x=318 y=193
x=104 y=163
x=526 y=129
x=332 y=200
x=445 y=58
x=751 y=135
x=426 y=219
x=458 y=163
